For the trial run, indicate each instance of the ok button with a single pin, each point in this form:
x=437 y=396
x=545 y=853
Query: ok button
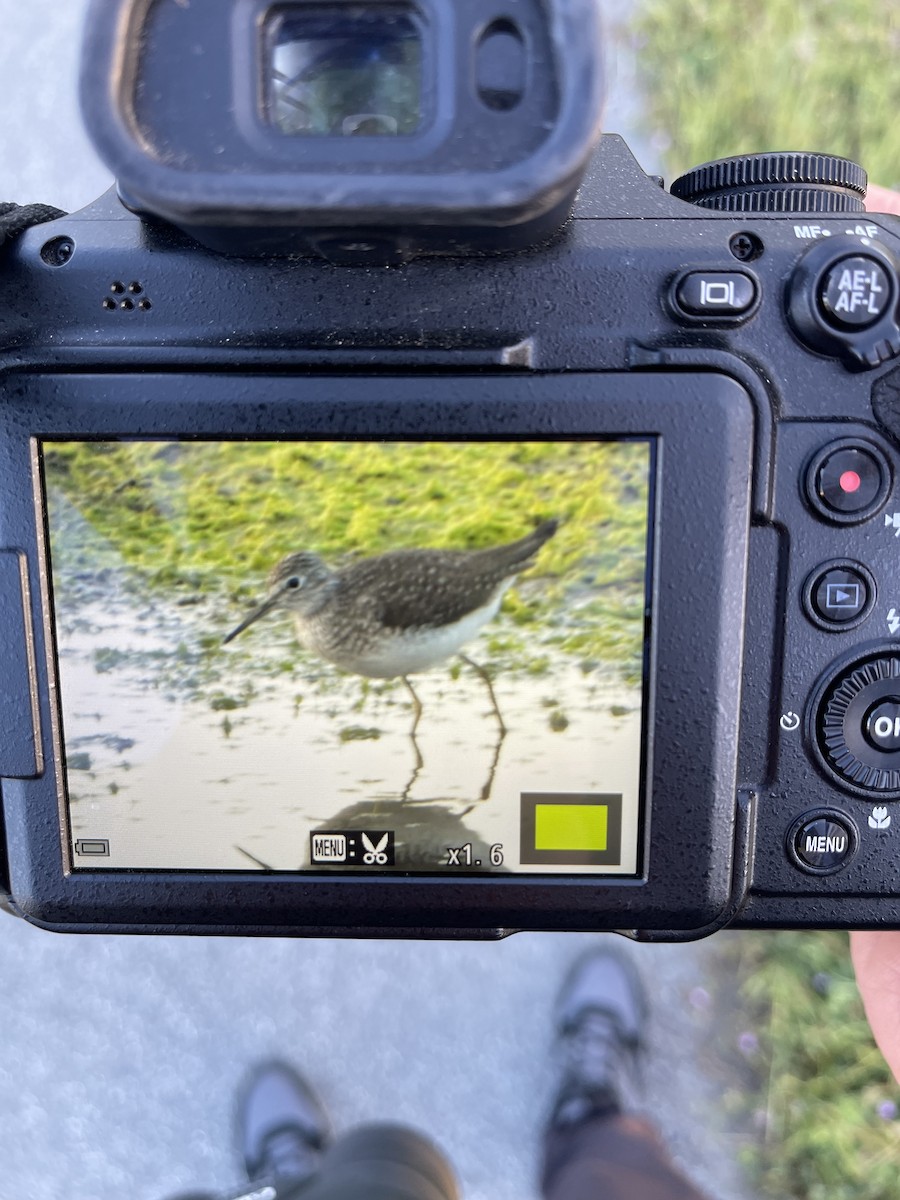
x=881 y=725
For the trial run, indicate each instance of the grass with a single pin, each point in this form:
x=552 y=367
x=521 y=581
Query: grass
x=204 y=523
x=811 y=1081
x=751 y=75
x=729 y=78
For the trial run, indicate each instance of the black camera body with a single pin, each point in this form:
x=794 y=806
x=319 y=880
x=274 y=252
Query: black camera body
x=693 y=401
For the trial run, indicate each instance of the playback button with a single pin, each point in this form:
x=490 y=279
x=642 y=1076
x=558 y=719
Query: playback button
x=839 y=595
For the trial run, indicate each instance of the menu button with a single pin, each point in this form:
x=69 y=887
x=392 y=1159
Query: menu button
x=822 y=843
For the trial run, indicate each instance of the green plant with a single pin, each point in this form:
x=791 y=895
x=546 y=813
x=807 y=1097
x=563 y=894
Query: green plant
x=813 y=1082
x=752 y=75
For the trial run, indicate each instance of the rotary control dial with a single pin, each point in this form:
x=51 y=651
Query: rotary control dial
x=857 y=725
x=790 y=182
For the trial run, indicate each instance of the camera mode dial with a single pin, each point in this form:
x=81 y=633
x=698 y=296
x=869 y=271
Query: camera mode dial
x=776 y=183
x=857 y=724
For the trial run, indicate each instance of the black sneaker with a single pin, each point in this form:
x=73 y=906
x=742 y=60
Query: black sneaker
x=282 y=1124
x=600 y=1018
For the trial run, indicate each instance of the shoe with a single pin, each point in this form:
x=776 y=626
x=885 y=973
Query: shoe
x=282 y=1124
x=601 y=1016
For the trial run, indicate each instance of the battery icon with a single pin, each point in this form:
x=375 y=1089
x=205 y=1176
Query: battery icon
x=94 y=847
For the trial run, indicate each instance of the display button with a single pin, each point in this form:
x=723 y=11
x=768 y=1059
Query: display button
x=823 y=844
x=839 y=595
x=855 y=293
x=882 y=724
x=848 y=481
x=710 y=294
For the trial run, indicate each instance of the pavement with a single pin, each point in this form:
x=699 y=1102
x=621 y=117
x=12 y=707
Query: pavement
x=120 y=1057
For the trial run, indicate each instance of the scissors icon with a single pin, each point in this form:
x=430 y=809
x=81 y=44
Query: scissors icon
x=375 y=855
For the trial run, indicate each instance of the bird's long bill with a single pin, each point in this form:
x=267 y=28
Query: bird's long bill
x=259 y=611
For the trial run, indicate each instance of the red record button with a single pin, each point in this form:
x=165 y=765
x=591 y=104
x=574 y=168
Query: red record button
x=848 y=481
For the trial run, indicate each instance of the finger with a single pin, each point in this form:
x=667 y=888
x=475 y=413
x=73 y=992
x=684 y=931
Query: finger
x=883 y=200
x=876 y=960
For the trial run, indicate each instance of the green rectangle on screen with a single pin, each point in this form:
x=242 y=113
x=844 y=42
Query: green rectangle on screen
x=570 y=826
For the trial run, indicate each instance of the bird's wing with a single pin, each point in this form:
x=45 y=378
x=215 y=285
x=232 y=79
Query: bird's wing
x=404 y=584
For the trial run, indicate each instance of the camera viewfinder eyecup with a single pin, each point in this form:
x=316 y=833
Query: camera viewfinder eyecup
x=364 y=133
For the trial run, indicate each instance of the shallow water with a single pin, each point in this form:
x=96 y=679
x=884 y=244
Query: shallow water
x=237 y=773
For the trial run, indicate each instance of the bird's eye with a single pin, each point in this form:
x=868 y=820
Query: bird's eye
x=293 y=582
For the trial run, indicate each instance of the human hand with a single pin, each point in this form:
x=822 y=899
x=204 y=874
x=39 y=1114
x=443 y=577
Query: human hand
x=876 y=954
x=883 y=200
x=876 y=960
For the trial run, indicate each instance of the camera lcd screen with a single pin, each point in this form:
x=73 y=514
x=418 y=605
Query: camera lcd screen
x=347 y=656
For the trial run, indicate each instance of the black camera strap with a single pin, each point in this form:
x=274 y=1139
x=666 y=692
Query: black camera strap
x=16 y=218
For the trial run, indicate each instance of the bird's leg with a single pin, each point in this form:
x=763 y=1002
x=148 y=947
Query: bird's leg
x=489 y=782
x=417 y=706
x=417 y=710
x=487 y=682
x=414 y=774
x=264 y=866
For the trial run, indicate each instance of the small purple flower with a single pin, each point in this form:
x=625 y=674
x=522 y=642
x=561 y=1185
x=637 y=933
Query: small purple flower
x=887 y=1110
x=748 y=1043
x=821 y=982
x=699 y=998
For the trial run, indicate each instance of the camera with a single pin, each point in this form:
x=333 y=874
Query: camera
x=417 y=521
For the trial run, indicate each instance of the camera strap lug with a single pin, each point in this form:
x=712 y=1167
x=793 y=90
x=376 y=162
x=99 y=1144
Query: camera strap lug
x=15 y=218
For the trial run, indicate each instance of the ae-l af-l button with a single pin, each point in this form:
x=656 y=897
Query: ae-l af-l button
x=855 y=293
x=821 y=843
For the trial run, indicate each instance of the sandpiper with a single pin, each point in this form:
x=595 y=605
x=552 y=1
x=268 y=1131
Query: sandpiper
x=400 y=612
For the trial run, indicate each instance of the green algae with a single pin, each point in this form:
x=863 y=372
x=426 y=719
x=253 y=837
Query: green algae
x=201 y=524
